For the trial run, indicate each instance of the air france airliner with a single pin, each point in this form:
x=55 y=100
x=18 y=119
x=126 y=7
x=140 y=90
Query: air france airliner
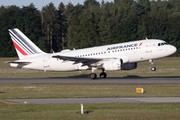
x=121 y=56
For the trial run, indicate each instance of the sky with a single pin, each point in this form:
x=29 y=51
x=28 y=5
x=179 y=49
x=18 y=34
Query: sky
x=41 y=3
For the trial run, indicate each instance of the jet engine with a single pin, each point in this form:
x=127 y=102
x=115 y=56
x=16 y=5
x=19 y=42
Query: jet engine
x=129 y=66
x=113 y=64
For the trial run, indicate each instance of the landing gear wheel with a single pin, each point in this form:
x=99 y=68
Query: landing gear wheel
x=103 y=75
x=93 y=75
x=153 y=68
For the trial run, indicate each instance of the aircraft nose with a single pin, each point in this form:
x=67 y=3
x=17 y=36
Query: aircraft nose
x=173 y=49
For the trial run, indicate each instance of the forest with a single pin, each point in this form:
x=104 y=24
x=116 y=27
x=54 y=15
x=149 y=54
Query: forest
x=91 y=24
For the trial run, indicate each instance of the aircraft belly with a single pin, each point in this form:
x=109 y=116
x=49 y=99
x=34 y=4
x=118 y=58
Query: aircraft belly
x=35 y=66
x=62 y=66
x=135 y=56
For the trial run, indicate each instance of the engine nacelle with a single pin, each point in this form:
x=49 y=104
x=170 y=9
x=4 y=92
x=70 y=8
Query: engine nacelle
x=129 y=66
x=113 y=64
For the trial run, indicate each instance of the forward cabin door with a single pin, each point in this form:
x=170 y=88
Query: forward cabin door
x=148 y=47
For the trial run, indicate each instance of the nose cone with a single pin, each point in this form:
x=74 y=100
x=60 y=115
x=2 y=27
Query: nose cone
x=173 y=49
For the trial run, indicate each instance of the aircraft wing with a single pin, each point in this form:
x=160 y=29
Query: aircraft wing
x=84 y=61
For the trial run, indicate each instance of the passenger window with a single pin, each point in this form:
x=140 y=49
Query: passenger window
x=158 y=44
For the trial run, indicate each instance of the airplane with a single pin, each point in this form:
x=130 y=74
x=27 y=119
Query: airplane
x=121 y=56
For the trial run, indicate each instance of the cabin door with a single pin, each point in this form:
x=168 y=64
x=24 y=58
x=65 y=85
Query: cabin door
x=148 y=47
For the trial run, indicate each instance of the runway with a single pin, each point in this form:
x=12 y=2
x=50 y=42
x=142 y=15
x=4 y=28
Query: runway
x=98 y=100
x=88 y=81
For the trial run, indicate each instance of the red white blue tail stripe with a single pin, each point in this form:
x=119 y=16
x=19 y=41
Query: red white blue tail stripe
x=22 y=44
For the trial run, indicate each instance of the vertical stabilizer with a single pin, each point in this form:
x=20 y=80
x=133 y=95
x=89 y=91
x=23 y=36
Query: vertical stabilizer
x=23 y=45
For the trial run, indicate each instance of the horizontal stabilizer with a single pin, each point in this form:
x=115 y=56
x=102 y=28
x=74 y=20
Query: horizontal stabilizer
x=23 y=63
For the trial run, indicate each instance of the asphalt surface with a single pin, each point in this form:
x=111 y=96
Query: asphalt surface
x=98 y=100
x=88 y=81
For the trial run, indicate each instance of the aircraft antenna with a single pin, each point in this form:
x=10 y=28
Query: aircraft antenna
x=146 y=38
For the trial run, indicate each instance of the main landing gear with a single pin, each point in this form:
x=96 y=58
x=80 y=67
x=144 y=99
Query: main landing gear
x=152 y=67
x=103 y=74
x=93 y=75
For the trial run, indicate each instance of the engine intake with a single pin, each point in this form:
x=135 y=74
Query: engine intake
x=129 y=66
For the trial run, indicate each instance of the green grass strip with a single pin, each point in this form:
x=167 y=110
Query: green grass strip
x=105 y=111
x=24 y=91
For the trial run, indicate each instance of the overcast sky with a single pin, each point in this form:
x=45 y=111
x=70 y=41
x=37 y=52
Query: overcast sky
x=41 y=3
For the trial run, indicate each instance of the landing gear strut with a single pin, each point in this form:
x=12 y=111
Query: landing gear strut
x=103 y=74
x=152 y=67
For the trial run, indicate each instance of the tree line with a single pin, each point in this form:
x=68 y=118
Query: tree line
x=92 y=24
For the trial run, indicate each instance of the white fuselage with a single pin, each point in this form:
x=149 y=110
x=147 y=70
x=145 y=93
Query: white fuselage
x=129 y=52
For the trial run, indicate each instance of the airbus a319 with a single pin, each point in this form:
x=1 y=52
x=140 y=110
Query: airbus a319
x=121 y=56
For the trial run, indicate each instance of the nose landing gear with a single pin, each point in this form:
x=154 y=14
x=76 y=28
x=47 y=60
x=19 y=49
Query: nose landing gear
x=152 y=67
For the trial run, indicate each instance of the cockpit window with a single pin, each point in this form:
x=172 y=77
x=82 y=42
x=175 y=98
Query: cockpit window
x=161 y=44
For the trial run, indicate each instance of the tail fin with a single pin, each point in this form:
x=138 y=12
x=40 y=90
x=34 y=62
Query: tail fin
x=23 y=45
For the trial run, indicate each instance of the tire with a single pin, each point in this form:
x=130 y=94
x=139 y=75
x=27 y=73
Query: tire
x=93 y=75
x=153 y=69
x=103 y=75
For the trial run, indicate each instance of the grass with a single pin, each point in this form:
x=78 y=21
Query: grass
x=100 y=111
x=22 y=91
x=166 y=67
